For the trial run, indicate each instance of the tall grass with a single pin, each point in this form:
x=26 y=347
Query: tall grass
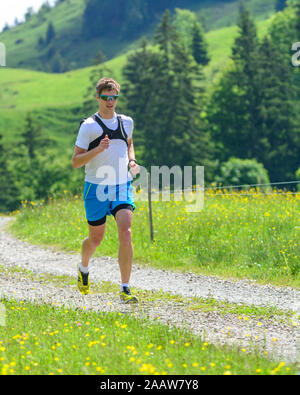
x=235 y=235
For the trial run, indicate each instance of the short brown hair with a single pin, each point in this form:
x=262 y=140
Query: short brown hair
x=107 y=84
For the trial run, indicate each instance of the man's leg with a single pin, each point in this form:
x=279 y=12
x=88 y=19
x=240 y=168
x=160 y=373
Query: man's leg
x=89 y=245
x=124 y=220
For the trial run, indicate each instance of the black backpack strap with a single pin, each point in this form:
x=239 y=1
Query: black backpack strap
x=120 y=132
x=122 y=128
x=101 y=124
x=84 y=119
x=81 y=122
x=113 y=134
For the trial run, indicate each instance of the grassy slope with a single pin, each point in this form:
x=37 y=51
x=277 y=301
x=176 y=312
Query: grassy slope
x=54 y=97
x=225 y=14
x=66 y=18
x=26 y=90
x=23 y=89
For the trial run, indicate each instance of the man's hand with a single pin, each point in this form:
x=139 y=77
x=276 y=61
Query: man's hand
x=134 y=168
x=104 y=144
x=82 y=156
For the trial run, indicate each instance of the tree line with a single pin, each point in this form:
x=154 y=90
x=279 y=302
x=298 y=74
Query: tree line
x=32 y=169
x=128 y=19
x=253 y=112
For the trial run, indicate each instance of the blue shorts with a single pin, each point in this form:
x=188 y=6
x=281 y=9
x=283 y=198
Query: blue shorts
x=102 y=200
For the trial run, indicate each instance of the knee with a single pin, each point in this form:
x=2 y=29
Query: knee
x=95 y=241
x=125 y=236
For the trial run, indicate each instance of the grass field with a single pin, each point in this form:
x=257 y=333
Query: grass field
x=69 y=341
x=235 y=235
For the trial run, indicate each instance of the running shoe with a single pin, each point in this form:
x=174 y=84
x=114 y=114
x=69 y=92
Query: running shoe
x=83 y=282
x=127 y=297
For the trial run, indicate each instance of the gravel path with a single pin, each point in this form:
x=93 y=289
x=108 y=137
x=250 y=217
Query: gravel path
x=282 y=341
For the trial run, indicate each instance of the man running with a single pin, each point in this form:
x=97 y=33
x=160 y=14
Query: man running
x=104 y=145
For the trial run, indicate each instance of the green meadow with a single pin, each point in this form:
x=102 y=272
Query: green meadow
x=68 y=342
x=236 y=235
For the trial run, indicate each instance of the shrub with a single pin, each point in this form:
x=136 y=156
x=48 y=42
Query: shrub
x=298 y=178
x=238 y=171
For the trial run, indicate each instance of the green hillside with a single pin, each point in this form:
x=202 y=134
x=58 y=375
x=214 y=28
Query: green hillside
x=23 y=89
x=76 y=51
x=56 y=99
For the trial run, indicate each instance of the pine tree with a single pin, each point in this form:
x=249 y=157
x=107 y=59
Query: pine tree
x=139 y=77
x=144 y=73
x=252 y=110
x=32 y=136
x=233 y=109
x=41 y=42
x=10 y=193
x=183 y=107
x=50 y=34
x=99 y=59
x=57 y=63
x=164 y=35
x=199 y=45
x=189 y=123
x=28 y=13
x=163 y=98
x=297 y=19
x=279 y=130
x=246 y=43
x=296 y=38
x=6 y=27
x=167 y=112
x=245 y=57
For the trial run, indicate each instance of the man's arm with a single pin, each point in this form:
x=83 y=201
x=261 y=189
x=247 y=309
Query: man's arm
x=131 y=154
x=81 y=156
x=134 y=167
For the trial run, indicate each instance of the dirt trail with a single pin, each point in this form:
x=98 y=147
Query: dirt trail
x=281 y=340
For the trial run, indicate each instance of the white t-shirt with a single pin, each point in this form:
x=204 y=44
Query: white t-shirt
x=109 y=167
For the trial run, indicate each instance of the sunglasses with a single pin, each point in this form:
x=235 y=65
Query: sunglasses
x=108 y=98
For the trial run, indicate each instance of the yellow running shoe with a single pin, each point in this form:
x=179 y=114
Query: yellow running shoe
x=127 y=297
x=83 y=282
